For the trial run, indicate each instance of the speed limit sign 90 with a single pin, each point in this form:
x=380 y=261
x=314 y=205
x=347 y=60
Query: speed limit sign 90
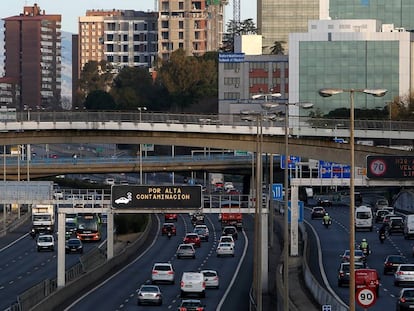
x=366 y=297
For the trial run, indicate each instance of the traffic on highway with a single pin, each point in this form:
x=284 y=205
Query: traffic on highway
x=384 y=266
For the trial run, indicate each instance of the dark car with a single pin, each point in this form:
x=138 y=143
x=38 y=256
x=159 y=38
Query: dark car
x=73 y=245
x=324 y=202
x=318 y=212
x=392 y=262
x=168 y=227
x=379 y=215
x=343 y=272
x=396 y=225
x=405 y=299
x=191 y=305
x=230 y=230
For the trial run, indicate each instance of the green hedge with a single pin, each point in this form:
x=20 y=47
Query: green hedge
x=130 y=223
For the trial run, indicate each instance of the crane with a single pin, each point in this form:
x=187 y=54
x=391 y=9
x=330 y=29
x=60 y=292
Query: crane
x=236 y=12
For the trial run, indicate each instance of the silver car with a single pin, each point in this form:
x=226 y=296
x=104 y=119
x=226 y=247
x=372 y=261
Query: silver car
x=404 y=274
x=225 y=249
x=162 y=272
x=185 y=250
x=149 y=294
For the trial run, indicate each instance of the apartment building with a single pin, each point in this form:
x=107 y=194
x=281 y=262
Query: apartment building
x=193 y=25
x=32 y=63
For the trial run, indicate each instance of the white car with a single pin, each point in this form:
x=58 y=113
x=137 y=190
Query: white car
x=227 y=239
x=163 y=272
x=211 y=278
x=122 y=200
x=45 y=242
x=225 y=249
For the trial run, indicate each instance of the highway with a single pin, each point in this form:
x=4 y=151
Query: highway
x=119 y=291
x=22 y=267
x=335 y=240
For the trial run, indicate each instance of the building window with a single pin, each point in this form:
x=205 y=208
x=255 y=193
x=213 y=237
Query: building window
x=181 y=35
x=181 y=25
x=181 y=5
x=231 y=95
x=164 y=35
x=164 y=24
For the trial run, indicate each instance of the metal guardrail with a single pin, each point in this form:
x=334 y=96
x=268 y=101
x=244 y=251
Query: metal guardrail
x=203 y=120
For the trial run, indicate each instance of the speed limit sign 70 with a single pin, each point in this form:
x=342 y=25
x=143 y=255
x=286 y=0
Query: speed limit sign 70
x=366 y=297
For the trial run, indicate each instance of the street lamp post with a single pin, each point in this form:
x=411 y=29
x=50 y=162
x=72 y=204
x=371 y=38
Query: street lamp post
x=286 y=205
x=140 y=109
x=327 y=92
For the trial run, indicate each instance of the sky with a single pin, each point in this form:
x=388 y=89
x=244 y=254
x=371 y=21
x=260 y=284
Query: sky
x=70 y=11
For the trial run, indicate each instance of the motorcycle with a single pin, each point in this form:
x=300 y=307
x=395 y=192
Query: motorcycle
x=327 y=223
x=32 y=233
x=382 y=237
x=365 y=250
x=169 y=235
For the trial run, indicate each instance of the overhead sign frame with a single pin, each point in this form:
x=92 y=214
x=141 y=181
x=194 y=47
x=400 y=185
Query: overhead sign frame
x=156 y=197
x=390 y=167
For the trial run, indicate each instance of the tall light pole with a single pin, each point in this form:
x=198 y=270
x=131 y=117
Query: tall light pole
x=327 y=92
x=140 y=109
x=266 y=105
x=258 y=117
x=286 y=206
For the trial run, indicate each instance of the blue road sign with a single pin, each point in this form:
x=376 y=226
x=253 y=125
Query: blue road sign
x=277 y=191
x=333 y=170
x=300 y=215
x=291 y=161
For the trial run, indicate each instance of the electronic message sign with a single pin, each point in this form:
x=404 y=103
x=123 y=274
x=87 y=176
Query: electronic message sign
x=396 y=167
x=156 y=197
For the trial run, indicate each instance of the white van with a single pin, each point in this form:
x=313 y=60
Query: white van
x=363 y=218
x=192 y=283
x=409 y=226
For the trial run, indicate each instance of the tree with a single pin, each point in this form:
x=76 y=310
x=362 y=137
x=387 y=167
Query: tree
x=99 y=100
x=188 y=79
x=132 y=88
x=277 y=48
x=246 y=27
x=95 y=76
x=402 y=107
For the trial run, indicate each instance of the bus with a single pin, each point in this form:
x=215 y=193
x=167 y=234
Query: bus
x=88 y=227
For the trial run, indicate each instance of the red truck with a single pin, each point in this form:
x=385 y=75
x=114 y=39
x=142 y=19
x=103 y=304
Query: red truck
x=231 y=218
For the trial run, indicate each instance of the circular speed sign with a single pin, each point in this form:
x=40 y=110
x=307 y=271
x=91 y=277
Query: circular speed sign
x=378 y=167
x=366 y=297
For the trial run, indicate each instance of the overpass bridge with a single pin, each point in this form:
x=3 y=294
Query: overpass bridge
x=309 y=137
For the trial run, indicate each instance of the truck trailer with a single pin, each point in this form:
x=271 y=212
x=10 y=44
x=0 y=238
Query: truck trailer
x=43 y=218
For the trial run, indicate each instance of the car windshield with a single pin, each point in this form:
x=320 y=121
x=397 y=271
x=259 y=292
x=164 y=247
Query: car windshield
x=408 y=293
x=363 y=215
x=190 y=304
x=74 y=242
x=396 y=259
x=186 y=247
x=45 y=239
x=162 y=267
x=149 y=289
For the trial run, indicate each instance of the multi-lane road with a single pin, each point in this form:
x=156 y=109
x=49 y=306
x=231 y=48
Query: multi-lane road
x=335 y=240
x=119 y=291
x=21 y=267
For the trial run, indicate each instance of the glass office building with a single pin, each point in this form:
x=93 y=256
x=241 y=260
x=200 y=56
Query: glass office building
x=397 y=12
x=348 y=54
x=276 y=19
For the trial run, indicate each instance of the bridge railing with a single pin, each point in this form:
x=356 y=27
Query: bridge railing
x=205 y=119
